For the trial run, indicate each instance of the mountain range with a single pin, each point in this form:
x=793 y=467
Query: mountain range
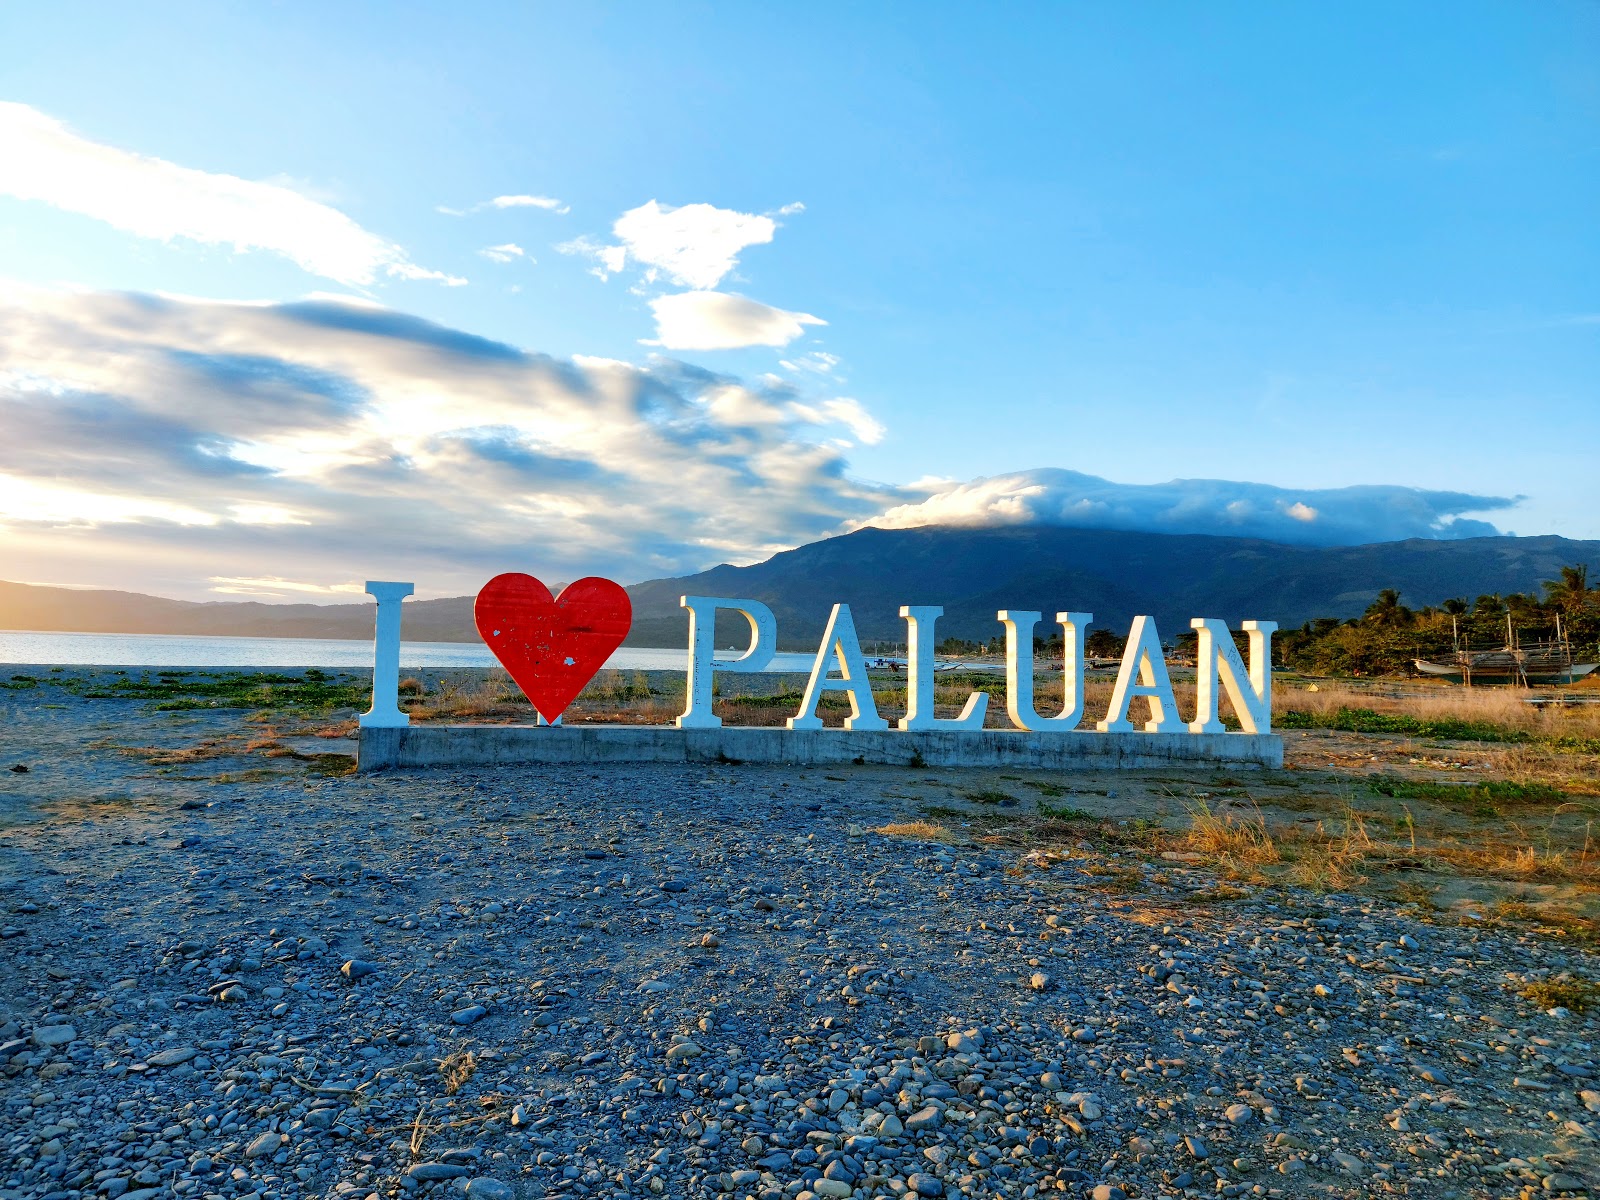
x=972 y=572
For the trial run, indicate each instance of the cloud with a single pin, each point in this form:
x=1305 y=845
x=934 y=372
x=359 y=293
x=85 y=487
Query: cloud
x=508 y=252
x=723 y=321
x=159 y=442
x=42 y=160
x=1308 y=516
x=694 y=245
x=852 y=414
x=153 y=443
x=548 y=203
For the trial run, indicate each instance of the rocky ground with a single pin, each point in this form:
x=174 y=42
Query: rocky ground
x=229 y=976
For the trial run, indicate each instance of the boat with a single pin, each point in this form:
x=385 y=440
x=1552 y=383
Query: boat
x=1526 y=667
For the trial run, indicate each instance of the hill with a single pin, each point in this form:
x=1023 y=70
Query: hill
x=972 y=572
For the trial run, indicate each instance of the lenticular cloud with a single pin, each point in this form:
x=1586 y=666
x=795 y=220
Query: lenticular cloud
x=1306 y=516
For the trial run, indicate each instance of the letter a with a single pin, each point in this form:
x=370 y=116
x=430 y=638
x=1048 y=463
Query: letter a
x=840 y=644
x=1143 y=657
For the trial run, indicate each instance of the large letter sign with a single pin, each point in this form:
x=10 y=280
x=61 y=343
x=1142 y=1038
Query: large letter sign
x=1251 y=694
x=1019 y=669
x=385 y=711
x=919 y=677
x=552 y=645
x=1142 y=658
x=839 y=644
x=697 y=712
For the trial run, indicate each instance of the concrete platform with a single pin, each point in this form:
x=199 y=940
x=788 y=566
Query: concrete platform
x=513 y=745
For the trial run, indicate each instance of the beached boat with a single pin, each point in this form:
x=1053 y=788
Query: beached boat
x=1538 y=664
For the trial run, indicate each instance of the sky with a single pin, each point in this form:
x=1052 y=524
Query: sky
x=295 y=295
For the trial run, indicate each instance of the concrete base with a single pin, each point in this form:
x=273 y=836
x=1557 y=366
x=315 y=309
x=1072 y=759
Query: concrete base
x=513 y=745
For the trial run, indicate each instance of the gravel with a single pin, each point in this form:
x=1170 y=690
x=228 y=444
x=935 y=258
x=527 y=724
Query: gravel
x=479 y=983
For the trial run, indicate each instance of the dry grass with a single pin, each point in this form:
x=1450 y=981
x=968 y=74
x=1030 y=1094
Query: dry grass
x=1501 y=706
x=457 y=1069
x=920 y=831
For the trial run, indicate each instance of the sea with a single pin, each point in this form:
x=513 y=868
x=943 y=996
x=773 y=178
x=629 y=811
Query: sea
x=180 y=650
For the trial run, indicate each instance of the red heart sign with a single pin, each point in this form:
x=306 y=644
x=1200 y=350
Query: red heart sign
x=552 y=646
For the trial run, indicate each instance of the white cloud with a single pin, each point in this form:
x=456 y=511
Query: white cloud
x=1340 y=516
x=42 y=160
x=508 y=252
x=722 y=321
x=817 y=362
x=170 y=441
x=273 y=587
x=607 y=260
x=548 y=203
x=694 y=245
x=852 y=414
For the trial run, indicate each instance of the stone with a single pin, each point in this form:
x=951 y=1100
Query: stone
x=484 y=1188
x=1239 y=1114
x=923 y=1119
x=428 y=1171
x=358 y=968
x=263 y=1144
x=924 y=1185
x=46 y=1036
x=832 y=1187
x=682 y=1052
x=171 y=1058
x=469 y=1015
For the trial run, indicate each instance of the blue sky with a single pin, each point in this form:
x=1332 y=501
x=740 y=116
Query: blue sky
x=1302 y=247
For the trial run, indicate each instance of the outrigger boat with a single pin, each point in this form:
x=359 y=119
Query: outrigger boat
x=1543 y=662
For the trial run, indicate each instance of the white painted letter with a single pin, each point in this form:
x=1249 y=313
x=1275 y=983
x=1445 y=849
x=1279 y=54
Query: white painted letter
x=1019 y=669
x=1143 y=657
x=1219 y=657
x=919 y=676
x=839 y=643
x=703 y=662
x=385 y=711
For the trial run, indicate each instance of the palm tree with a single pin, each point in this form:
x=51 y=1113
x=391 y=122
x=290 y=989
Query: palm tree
x=1387 y=610
x=1571 y=593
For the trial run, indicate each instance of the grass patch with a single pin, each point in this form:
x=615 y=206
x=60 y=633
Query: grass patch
x=921 y=831
x=183 y=692
x=1484 y=791
x=19 y=683
x=1045 y=788
x=1063 y=812
x=1367 y=720
x=990 y=796
x=1573 y=993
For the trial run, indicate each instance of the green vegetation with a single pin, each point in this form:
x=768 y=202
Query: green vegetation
x=1064 y=812
x=178 y=692
x=1384 y=639
x=1367 y=720
x=1573 y=993
x=1484 y=791
x=19 y=683
x=990 y=796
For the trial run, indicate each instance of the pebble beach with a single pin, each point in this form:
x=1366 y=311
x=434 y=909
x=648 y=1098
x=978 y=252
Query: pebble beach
x=228 y=975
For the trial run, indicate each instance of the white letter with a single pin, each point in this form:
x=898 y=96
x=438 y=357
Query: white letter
x=697 y=712
x=385 y=711
x=1218 y=656
x=839 y=642
x=1143 y=656
x=1019 y=669
x=919 y=677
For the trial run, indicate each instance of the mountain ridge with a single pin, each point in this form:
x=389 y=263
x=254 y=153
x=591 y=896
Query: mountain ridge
x=972 y=572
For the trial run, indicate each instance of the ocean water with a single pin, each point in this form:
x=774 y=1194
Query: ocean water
x=178 y=650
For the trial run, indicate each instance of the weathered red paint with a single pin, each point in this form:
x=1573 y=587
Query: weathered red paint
x=552 y=645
